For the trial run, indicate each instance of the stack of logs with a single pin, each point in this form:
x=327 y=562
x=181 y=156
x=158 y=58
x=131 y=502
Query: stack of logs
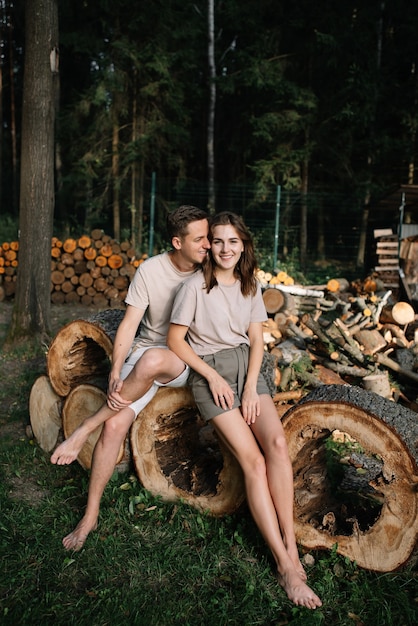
x=93 y=269
x=345 y=335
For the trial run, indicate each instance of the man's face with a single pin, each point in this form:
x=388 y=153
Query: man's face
x=194 y=246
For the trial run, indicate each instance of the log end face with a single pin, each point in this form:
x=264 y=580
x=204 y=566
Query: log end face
x=178 y=456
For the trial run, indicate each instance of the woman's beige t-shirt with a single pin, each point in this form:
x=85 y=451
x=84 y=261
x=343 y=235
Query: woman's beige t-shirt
x=219 y=319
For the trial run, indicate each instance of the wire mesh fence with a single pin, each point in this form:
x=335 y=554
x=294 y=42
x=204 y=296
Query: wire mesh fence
x=274 y=218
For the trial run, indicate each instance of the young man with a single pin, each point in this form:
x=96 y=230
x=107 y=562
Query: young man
x=140 y=365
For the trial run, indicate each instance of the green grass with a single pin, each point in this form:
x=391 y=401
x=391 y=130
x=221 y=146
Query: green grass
x=151 y=563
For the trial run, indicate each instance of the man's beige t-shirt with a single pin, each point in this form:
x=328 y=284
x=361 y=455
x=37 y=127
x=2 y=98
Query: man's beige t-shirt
x=153 y=289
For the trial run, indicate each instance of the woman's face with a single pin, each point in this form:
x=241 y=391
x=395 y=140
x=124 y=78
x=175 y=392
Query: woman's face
x=226 y=247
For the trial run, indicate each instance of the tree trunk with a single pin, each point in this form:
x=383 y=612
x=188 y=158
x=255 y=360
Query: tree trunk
x=212 y=105
x=13 y=133
x=368 y=504
x=178 y=456
x=304 y=215
x=31 y=312
x=115 y=179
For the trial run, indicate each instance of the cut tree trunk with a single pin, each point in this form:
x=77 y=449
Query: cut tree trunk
x=81 y=352
x=82 y=402
x=45 y=413
x=178 y=456
x=375 y=526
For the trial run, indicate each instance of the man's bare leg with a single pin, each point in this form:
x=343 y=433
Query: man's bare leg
x=154 y=364
x=103 y=464
x=68 y=450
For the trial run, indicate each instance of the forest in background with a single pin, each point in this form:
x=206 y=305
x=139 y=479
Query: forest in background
x=317 y=98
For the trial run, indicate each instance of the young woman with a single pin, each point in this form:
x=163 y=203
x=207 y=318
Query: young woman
x=216 y=328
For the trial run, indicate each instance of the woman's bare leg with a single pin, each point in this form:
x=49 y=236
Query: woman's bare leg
x=269 y=433
x=241 y=441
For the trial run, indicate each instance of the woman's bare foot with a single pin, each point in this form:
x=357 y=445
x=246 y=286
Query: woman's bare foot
x=68 y=450
x=298 y=591
x=294 y=555
x=77 y=538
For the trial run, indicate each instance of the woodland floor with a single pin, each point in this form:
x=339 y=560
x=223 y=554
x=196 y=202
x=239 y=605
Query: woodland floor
x=16 y=429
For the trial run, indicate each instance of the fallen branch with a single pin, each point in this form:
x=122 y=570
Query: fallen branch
x=393 y=365
x=284 y=396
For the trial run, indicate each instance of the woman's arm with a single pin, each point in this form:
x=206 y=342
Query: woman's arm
x=250 y=399
x=176 y=340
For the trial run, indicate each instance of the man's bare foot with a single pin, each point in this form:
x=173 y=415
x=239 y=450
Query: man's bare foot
x=298 y=591
x=68 y=450
x=77 y=538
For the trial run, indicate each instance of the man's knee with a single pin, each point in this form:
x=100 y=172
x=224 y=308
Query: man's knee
x=151 y=364
x=116 y=427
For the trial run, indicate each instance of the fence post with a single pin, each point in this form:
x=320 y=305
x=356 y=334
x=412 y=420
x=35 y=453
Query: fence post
x=152 y=217
x=276 y=228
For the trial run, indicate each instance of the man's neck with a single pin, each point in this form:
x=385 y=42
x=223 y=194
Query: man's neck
x=180 y=263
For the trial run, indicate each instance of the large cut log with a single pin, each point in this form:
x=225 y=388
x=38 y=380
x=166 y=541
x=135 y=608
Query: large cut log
x=376 y=527
x=81 y=352
x=45 y=413
x=81 y=402
x=178 y=456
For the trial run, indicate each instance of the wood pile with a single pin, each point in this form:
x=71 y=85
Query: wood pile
x=345 y=360
x=356 y=335
x=92 y=270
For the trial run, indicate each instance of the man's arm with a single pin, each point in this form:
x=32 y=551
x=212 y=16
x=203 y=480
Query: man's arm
x=123 y=341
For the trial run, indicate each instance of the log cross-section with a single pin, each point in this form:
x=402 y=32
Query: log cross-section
x=178 y=457
x=383 y=535
x=81 y=352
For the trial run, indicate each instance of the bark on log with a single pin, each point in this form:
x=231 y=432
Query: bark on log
x=177 y=455
x=81 y=402
x=380 y=537
x=81 y=352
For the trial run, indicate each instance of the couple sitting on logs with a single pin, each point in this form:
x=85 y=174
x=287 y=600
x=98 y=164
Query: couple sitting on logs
x=206 y=287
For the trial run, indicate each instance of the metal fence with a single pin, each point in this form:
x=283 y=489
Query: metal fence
x=274 y=219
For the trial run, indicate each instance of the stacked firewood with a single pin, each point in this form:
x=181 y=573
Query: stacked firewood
x=341 y=333
x=93 y=269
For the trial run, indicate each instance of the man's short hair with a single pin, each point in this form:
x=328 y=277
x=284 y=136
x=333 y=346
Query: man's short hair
x=179 y=220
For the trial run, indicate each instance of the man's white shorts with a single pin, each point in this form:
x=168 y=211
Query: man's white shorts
x=141 y=403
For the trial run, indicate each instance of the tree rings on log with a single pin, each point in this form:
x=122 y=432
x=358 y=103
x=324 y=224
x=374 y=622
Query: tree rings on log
x=376 y=524
x=45 y=413
x=82 y=402
x=81 y=352
x=274 y=300
x=178 y=456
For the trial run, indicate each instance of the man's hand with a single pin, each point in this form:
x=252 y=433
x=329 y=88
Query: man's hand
x=114 y=399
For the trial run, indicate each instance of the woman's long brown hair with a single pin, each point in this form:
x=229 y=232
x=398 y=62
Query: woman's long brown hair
x=246 y=266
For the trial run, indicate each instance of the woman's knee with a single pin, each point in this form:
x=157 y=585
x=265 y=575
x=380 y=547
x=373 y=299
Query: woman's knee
x=278 y=446
x=255 y=466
